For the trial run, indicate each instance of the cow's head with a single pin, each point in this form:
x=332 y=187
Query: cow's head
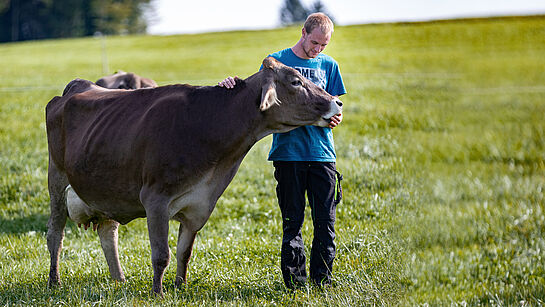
x=293 y=100
x=125 y=80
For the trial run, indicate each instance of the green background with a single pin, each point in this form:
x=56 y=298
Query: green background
x=442 y=148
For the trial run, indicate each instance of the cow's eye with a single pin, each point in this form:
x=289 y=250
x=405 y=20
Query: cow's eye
x=296 y=83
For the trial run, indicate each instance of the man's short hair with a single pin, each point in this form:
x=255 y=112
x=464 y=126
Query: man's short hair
x=318 y=20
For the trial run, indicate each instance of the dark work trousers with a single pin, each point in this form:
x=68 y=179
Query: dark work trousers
x=317 y=180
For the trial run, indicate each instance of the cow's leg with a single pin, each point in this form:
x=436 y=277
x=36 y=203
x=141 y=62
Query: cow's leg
x=107 y=232
x=57 y=183
x=186 y=237
x=157 y=218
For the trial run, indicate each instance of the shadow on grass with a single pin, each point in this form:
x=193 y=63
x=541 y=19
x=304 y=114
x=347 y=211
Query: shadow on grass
x=34 y=222
x=229 y=292
x=89 y=288
x=19 y=225
x=73 y=291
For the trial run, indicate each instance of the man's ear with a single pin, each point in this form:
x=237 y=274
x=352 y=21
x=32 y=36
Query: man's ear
x=268 y=96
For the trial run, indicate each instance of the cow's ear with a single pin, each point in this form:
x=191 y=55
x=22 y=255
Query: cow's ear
x=268 y=96
x=137 y=81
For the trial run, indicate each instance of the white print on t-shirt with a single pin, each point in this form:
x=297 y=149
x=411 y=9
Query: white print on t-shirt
x=317 y=76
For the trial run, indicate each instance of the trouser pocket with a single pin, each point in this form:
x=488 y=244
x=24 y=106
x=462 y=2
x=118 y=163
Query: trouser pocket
x=339 y=188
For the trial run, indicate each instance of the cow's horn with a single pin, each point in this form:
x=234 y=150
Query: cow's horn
x=269 y=62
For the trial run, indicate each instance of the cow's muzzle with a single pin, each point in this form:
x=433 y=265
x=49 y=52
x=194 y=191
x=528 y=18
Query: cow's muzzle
x=335 y=107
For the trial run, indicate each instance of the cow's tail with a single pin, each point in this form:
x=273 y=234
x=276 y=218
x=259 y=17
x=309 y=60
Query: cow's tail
x=77 y=86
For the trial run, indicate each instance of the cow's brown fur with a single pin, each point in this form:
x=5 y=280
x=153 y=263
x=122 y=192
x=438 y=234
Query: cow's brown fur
x=163 y=153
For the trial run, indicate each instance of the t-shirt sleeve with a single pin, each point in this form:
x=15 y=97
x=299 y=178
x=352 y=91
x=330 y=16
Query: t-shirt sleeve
x=335 y=84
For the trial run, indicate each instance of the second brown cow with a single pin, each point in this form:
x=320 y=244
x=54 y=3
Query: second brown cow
x=126 y=81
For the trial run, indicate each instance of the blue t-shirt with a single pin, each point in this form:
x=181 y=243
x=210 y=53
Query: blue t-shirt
x=309 y=143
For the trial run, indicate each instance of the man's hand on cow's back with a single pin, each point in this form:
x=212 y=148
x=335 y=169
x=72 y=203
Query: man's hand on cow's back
x=229 y=82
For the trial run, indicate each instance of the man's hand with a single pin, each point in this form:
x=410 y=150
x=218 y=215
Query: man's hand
x=229 y=82
x=336 y=120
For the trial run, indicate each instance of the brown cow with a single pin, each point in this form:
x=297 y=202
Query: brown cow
x=125 y=80
x=163 y=153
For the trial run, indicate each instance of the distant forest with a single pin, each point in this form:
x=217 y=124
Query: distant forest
x=38 y=19
x=22 y=20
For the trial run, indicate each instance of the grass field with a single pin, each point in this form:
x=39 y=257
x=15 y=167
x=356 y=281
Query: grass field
x=442 y=148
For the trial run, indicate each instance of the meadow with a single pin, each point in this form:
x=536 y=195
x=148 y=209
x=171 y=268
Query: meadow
x=442 y=149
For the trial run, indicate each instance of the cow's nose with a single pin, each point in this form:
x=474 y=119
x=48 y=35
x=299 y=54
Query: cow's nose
x=338 y=102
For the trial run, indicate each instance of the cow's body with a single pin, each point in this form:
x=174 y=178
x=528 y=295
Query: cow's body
x=163 y=153
x=162 y=141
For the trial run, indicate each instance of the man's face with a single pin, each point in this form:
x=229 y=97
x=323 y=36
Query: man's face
x=315 y=42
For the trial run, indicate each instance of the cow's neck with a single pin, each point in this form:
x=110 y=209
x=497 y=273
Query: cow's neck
x=251 y=124
x=231 y=144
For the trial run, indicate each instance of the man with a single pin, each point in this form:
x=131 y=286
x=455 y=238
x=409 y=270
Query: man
x=304 y=161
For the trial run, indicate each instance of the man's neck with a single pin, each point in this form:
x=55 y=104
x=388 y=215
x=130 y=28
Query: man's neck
x=298 y=51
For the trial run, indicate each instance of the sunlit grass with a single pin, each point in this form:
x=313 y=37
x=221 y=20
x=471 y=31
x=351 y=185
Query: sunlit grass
x=442 y=148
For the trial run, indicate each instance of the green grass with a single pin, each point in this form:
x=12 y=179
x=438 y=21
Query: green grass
x=442 y=148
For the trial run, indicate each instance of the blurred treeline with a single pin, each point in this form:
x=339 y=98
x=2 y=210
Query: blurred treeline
x=295 y=12
x=39 y=19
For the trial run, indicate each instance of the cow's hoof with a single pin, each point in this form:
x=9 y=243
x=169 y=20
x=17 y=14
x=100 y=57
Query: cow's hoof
x=120 y=280
x=54 y=279
x=180 y=283
x=53 y=283
x=158 y=295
